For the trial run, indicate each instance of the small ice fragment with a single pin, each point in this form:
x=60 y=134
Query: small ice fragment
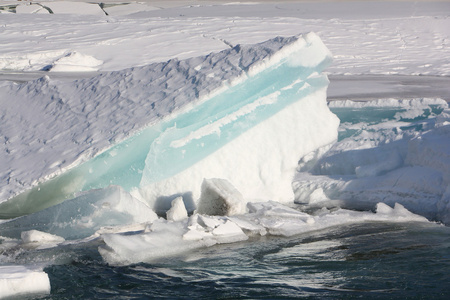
x=178 y=211
x=229 y=232
x=220 y=197
x=209 y=222
x=36 y=236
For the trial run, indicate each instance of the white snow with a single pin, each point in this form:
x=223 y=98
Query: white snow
x=365 y=37
x=75 y=62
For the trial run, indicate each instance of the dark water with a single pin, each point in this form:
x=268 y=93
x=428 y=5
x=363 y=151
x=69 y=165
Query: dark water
x=363 y=261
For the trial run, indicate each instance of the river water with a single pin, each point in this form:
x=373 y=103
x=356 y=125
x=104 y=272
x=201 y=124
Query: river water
x=364 y=261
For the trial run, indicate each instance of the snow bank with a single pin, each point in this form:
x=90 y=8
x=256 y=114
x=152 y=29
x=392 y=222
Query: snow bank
x=22 y=281
x=205 y=118
x=397 y=154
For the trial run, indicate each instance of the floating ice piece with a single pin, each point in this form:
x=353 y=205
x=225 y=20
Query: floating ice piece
x=36 y=236
x=19 y=280
x=220 y=197
x=278 y=219
x=398 y=213
x=162 y=239
x=84 y=215
x=229 y=232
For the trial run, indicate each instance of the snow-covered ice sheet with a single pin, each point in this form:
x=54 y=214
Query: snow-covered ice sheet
x=369 y=38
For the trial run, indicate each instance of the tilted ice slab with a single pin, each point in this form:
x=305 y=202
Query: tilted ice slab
x=246 y=114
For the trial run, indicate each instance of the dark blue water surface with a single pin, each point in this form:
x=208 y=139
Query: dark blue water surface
x=363 y=261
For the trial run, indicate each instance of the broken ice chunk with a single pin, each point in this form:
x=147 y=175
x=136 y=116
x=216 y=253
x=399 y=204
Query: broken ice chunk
x=178 y=211
x=220 y=197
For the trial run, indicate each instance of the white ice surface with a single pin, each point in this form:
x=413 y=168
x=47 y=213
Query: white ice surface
x=16 y=280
